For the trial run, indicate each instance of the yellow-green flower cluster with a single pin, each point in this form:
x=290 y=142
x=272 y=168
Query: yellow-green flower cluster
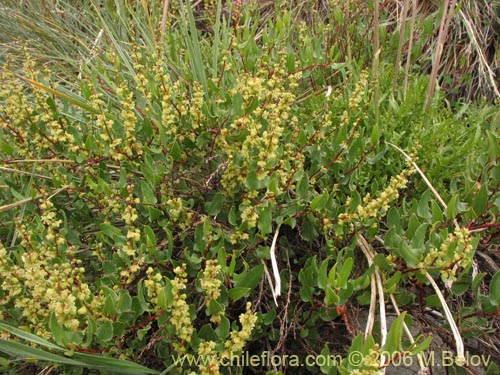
x=370 y=364
x=133 y=236
x=40 y=285
x=460 y=244
x=15 y=109
x=103 y=125
x=209 y=364
x=181 y=318
x=249 y=215
x=195 y=109
x=168 y=116
x=376 y=207
x=131 y=146
x=211 y=284
x=356 y=98
x=154 y=286
x=251 y=141
x=237 y=340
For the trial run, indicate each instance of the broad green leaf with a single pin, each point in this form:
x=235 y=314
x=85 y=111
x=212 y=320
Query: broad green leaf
x=215 y=205
x=104 y=332
x=165 y=297
x=223 y=329
x=309 y=232
x=323 y=274
x=252 y=181
x=148 y=194
x=392 y=283
x=249 y=279
x=319 y=201
x=451 y=210
x=418 y=240
x=331 y=296
x=207 y=333
x=410 y=255
x=495 y=289
x=344 y=272
x=393 y=343
x=481 y=201
x=110 y=230
x=238 y=292
x=420 y=347
x=176 y=151
x=57 y=330
x=302 y=186
x=265 y=221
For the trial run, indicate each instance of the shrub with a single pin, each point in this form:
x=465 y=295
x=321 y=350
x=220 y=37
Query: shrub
x=181 y=198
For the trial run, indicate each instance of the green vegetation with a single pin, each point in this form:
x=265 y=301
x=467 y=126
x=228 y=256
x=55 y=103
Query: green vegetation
x=183 y=184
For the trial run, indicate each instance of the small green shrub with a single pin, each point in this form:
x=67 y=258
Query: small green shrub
x=143 y=195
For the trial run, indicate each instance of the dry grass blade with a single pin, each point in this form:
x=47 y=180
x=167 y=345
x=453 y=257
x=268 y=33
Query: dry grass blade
x=27 y=200
x=12 y=170
x=367 y=250
x=449 y=9
x=485 y=67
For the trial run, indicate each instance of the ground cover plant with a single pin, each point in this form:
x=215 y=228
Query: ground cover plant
x=184 y=184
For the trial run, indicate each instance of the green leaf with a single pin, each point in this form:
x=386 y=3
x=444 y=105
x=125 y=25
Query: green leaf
x=57 y=330
x=331 y=296
x=344 y=272
x=265 y=222
x=481 y=201
x=222 y=330
x=238 y=292
x=394 y=219
x=495 y=289
x=410 y=255
x=451 y=210
x=323 y=274
x=176 y=151
x=423 y=205
x=252 y=181
x=416 y=347
x=393 y=343
x=309 y=232
x=392 y=283
x=215 y=205
x=418 y=240
x=319 y=201
x=104 y=332
x=302 y=186
x=148 y=194
x=165 y=297
x=110 y=231
x=249 y=279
